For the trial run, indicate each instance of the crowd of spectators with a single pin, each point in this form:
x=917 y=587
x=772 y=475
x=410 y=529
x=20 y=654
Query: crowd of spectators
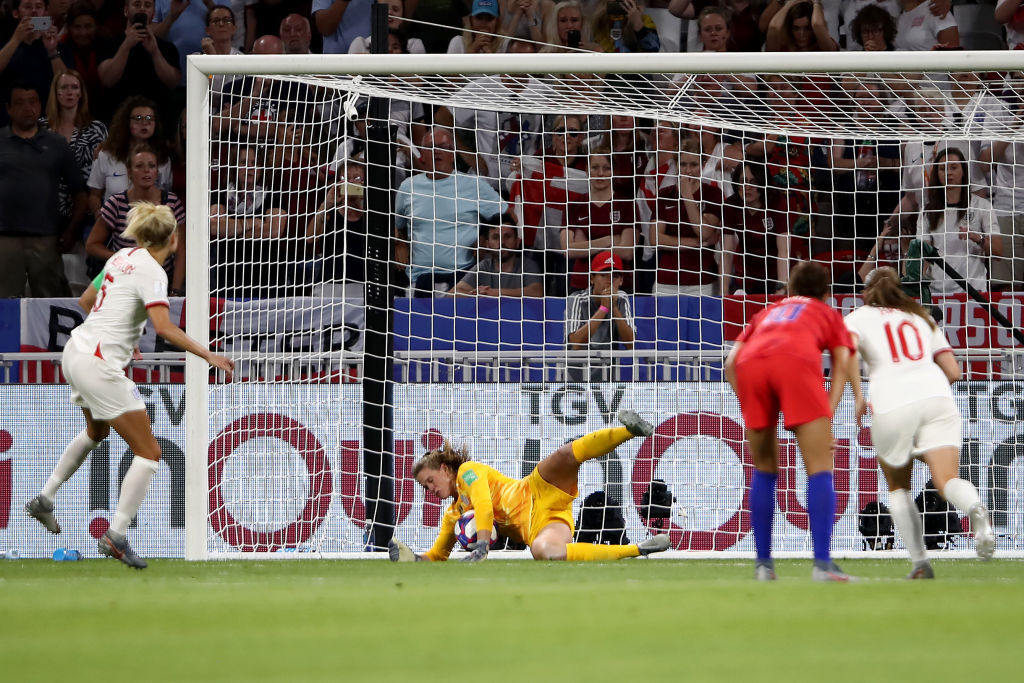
x=493 y=203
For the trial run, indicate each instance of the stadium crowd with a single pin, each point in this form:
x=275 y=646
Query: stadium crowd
x=493 y=203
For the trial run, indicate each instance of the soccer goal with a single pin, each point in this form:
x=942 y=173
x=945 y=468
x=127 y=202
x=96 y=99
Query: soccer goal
x=392 y=248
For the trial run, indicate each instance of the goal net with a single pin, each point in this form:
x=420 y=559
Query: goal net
x=505 y=251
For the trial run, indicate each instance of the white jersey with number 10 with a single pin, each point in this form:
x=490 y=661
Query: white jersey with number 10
x=899 y=349
x=133 y=282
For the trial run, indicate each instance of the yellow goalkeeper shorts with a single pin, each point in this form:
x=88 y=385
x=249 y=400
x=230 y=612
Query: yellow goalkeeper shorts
x=548 y=504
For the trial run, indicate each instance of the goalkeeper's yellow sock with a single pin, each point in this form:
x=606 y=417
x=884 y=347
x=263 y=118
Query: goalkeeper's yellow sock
x=590 y=551
x=599 y=443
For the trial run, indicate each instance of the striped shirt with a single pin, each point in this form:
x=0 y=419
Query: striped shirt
x=115 y=213
x=580 y=307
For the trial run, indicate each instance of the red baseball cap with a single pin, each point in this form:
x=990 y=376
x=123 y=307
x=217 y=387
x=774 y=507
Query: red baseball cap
x=605 y=260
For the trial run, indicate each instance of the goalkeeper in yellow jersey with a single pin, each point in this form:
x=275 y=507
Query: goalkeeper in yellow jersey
x=536 y=510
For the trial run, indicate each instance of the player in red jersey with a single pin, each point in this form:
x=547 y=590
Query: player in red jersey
x=776 y=366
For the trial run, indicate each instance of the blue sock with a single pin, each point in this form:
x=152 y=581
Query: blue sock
x=762 y=511
x=821 y=509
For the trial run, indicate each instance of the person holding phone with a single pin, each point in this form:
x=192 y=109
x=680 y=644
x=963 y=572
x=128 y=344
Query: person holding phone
x=567 y=29
x=31 y=53
x=142 y=63
x=622 y=26
x=186 y=24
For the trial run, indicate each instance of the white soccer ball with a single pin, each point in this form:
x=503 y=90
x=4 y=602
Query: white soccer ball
x=465 y=530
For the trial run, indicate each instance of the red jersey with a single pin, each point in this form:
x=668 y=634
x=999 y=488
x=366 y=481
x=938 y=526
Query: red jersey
x=596 y=221
x=687 y=265
x=796 y=326
x=627 y=172
x=757 y=251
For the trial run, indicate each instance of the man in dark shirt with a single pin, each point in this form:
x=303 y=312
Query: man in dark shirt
x=504 y=270
x=140 y=63
x=32 y=164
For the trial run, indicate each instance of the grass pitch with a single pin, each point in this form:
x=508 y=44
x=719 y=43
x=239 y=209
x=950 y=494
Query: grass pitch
x=507 y=621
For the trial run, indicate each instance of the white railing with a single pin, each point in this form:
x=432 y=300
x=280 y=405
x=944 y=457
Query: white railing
x=467 y=366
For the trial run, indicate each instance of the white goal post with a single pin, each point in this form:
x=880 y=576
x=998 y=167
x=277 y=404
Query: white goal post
x=271 y=281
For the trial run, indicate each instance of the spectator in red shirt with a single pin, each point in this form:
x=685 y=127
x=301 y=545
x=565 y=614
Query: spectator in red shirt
x=687 y=231
x=604 y=221
x=755 y=252
x=629 y=157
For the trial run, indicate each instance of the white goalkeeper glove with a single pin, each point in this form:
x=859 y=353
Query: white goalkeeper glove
x=477 y=551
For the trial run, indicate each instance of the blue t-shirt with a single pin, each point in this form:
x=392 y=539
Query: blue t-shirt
x=188 y=30
x=442 y=219
x=355 y=22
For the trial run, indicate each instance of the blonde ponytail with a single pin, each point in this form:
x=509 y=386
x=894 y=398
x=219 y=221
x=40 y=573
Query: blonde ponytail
x=150 y=225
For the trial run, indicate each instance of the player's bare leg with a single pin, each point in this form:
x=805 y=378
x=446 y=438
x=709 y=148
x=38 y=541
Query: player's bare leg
x=41 y=507
x=561 y=467
x=551 y=543
x=764 y=447
x=907 y=519
x=135 y=429
x=815 y=441
x=554 y=542
x=944 y=464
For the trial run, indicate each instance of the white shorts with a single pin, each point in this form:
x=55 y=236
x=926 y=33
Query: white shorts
x=105 y=391
x=917 y=428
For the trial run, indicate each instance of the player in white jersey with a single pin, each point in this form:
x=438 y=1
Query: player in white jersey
x=911 y=366
x=133 y=290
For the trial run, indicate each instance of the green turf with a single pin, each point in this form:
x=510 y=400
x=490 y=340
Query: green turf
x=507 y=620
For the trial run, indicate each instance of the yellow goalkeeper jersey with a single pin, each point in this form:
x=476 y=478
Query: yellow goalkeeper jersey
x=497 y=500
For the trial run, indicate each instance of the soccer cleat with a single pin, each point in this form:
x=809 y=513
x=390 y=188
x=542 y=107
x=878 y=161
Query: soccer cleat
x=636 y=425
x=984 y=536
x=764 y=571
x=654 y=544
x=829 y=571
x=921 y=570
x=120 y=550
x=400 y=552
x=41 y=510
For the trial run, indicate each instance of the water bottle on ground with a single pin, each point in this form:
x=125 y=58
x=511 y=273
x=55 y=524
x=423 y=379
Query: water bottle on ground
x=66 y=555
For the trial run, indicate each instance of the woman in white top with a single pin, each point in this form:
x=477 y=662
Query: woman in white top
x=917 y=28
x=958 y=224
x=220 y=32
x=134 y=122
x=910 y=366
x=221 y=28
x=396 y=10
x=134 y=291
x=482 y=34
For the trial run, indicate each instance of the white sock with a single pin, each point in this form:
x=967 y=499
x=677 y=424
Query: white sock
x=133 y=491
x=962 y=494
x=908 y=520
x=72 y=458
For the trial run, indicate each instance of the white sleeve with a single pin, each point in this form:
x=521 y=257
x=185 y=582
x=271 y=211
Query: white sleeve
x=165 y=176
x=851 y=325
x=456 y=46
x=939 y=341
x=96 y=179
x=152 y=285
x=986 y=221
